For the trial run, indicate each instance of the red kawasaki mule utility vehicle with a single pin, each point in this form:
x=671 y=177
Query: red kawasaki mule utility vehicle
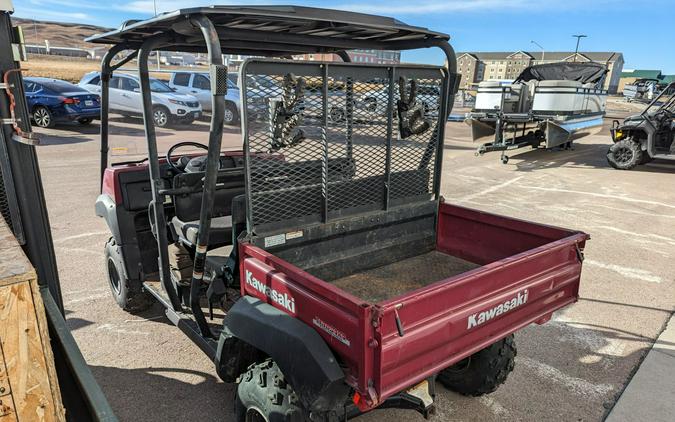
x=341 y=280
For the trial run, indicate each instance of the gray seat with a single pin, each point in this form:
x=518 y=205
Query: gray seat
x=220 y=234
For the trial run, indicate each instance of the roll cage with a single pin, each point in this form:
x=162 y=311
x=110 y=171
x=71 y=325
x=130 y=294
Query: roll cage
x=269 y=31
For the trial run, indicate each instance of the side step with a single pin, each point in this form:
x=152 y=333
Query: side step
x=183 y=321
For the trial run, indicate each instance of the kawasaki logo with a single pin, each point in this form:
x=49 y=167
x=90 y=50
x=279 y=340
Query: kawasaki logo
x=482 y=317
x=283 y=299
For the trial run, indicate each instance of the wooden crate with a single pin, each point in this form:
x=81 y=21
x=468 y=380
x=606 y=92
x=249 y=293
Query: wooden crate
x=29 y=389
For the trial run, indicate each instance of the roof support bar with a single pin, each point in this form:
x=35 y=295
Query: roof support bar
x=212 y=165
x=449 y=86
x=156 y=182
x=106 y=73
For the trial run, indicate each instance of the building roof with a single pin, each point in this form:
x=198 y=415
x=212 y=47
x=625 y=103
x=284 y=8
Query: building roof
x=596 y=56
x=275 y=30
x=642 y=74
x=666 y=79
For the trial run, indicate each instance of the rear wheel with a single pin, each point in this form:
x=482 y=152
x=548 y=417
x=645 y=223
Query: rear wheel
x=625 y=154
x=230 y=116
x=264 y=395
x=120 y=286
x=482 y=372
x=43 y=117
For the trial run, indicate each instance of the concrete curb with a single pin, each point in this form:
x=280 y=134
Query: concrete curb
x=650 y=394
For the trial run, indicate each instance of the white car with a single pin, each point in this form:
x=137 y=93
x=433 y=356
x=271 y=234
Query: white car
x=125 y=98
x=199 y=85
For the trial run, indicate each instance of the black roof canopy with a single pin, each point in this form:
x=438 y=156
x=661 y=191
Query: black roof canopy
x=275 y=31
x=571 y=71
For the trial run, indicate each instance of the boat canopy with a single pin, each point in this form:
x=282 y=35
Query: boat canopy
x=585 y=73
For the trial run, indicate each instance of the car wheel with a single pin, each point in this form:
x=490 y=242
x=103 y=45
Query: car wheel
x=42 y=117
x=482 y=372
x=85 y=120
x=160 y=116
x=625 y=154
x=337 y=115
x=230 y=116
x=127 y=298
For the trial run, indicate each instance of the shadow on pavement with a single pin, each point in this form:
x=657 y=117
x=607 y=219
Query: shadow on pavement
x=163 y=394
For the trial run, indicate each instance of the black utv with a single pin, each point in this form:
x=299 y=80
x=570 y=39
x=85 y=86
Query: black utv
x=645 y=136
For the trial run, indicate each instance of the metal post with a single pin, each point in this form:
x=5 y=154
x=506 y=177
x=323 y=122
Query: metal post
x=106 y=74
x=212 y=164
x=446 y=108
x=447 y=101
x=156 y=181
x=390 y=131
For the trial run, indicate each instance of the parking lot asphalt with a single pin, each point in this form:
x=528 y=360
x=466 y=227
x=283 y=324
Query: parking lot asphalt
x=572 y=368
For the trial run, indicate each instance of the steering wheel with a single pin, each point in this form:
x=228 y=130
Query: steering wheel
x=169 y=155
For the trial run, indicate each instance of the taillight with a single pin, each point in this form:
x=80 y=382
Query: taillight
x=67 y=100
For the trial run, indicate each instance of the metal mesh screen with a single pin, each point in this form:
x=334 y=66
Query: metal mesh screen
x=323 y=140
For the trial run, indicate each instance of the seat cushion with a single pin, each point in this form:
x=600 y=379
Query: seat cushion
x=220 y=234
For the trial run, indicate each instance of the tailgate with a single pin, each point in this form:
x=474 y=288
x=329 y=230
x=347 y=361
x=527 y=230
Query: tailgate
x=529 y=271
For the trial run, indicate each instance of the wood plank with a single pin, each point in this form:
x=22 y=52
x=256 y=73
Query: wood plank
x=29 y=387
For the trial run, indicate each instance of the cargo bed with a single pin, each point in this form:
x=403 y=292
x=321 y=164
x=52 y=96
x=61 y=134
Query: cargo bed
x=456 y=279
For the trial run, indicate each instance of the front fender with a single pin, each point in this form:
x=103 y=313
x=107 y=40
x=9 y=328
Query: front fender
x=302 y=355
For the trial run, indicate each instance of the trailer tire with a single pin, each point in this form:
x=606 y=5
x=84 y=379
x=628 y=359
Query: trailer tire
x=625 y=154
x=482 y=372
x=263 y=394
x=126 y=298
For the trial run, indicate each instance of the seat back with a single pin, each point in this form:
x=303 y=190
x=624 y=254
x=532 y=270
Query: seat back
x=230 y=183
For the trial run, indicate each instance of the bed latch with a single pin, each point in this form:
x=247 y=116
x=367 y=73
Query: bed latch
x=399 y=324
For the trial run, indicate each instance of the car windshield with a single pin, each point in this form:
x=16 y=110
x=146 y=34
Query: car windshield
x=158 y=86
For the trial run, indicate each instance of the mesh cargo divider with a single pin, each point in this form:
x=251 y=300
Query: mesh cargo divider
x=322 y=140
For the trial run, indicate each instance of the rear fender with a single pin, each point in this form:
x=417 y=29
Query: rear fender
x=302 y=355
x=107 y=209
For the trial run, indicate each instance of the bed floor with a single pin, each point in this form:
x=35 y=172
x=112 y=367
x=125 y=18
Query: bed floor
x=392 y=280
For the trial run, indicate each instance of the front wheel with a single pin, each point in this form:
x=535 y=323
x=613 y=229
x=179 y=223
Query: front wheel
x=625 y=154
x=482 y=372
x=85 y=121
x=264 y=395
x=160 y=116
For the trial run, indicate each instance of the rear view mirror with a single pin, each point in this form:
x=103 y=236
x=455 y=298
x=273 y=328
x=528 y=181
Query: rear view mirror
x=137 y=90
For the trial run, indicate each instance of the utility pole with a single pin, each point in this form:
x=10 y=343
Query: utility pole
x=542 y=49
x=576 y=50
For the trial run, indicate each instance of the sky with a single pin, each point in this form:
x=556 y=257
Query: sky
x=642 y=31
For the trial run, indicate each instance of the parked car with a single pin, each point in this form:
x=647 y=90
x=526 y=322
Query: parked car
x=125 y=98
x=52 y=101
x=199 y=85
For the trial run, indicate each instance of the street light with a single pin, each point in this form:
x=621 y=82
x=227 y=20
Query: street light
x=576 y=50
x=542 y=49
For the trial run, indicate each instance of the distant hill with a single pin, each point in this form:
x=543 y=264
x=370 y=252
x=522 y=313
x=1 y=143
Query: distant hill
x=58 y=33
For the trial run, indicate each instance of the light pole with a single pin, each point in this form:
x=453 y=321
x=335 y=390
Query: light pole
x=542 y=49
x=576 y=50
x=154 y=4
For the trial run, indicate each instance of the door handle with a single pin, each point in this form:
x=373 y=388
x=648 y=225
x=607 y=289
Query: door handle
x=194 y=91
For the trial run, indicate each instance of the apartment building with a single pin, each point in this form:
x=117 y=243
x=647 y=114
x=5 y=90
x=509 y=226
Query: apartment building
x=494 y=66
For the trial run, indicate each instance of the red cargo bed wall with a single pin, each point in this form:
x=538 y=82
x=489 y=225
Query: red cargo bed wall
x=483 y=238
